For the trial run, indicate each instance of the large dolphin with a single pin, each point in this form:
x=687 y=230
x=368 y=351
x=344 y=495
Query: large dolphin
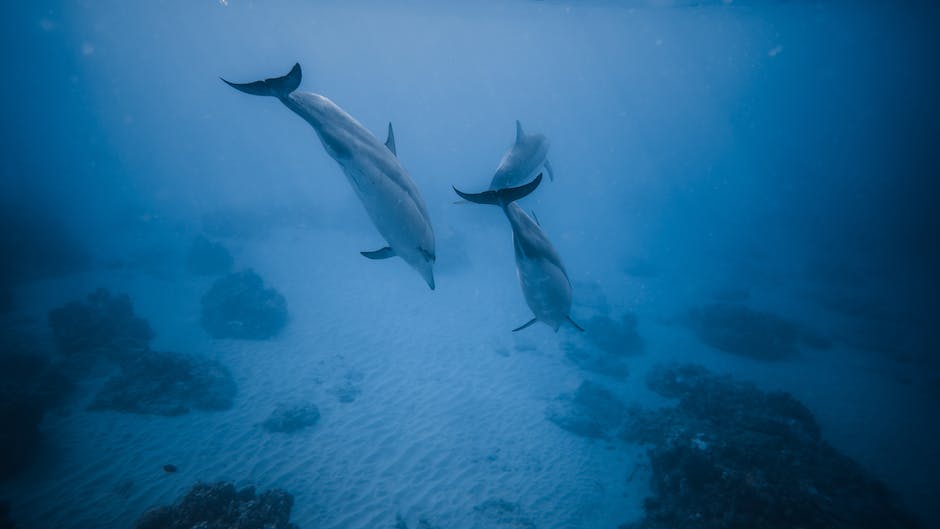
x=542 y=275
x=373 y=170
x=528 y=153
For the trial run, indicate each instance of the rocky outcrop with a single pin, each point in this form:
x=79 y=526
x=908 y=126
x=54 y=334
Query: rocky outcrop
x=743 y=331
x=292 y=418
x=590 y=411
x=730 y=455
x=160 y=383
x=102 y=325
x=222 y=506
x=30 y=386
x=239 y=306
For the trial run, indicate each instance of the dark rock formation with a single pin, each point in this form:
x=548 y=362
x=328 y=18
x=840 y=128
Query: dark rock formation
x=591 y=411
x=289 y=419
x=29 y=386
x=103 y=325
x=156 y=383
x=221 y=506
x=207 y=258
x=239 y=306
x=730 y=455
x=744 y=331
x=150 y=382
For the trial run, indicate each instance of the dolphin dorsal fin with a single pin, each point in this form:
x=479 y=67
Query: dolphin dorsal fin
x=390 y=142
x=520 y=134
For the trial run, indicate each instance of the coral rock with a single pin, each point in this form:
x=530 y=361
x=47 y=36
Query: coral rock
x=239 y=306
x=221 y=506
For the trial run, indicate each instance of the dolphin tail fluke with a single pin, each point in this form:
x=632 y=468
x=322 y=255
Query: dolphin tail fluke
x=501 y=197
x=526 y=324
x=279 y=87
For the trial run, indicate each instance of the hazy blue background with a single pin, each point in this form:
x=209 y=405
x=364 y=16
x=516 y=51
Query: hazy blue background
x=789 y=146
x=804 y=130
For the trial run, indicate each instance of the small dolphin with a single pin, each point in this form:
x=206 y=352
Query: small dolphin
x=542 y=275
x=526 y=156
x=373 y=170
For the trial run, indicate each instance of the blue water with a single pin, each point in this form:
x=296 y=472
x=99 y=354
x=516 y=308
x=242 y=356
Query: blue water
x=748 y=186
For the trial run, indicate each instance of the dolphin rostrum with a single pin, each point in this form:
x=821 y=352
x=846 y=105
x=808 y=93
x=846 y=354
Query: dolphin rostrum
x=390 y=197
x=527 y=154
x=542 y=275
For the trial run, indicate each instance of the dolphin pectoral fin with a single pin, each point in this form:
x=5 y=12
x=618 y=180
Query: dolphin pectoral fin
x=526 y=324
x=279 y=87
x=576 y=326
x=520 y=134
x=535 y=217
x=383 y=253
x=428 y=256
x=390 y=142
x=549 y=170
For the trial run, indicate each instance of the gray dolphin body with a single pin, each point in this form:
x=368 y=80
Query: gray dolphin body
x=372 y=168
x=526 y=156
x=542 y=275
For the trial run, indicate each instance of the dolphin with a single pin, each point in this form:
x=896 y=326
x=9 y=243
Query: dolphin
x=527 y=154
x=542 y=275
x=390 y=197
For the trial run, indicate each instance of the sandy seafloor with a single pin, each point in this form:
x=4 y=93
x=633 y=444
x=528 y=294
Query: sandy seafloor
x=451 y=413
